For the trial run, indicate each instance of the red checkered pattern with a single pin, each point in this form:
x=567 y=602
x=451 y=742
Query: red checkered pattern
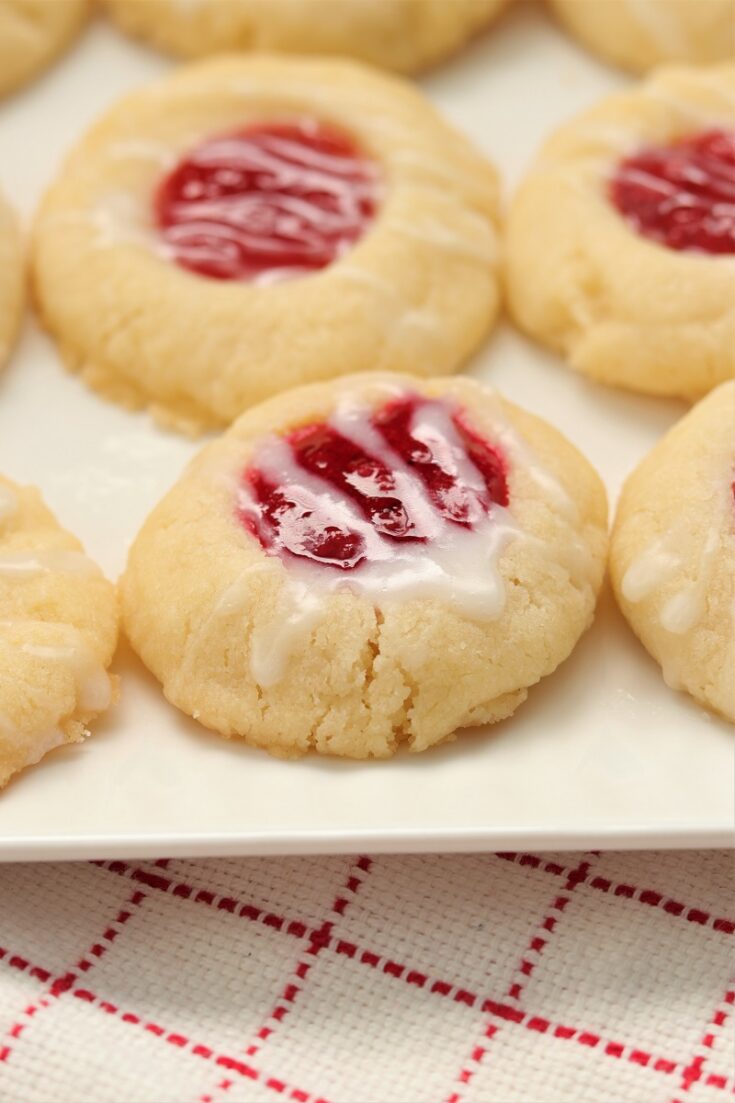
x=594 y=978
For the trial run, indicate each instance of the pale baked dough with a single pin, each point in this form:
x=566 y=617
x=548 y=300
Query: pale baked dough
x=638 y=34
x=33 y=33
x=622 y=308
x=404 y=35
x=58 y=630
x=206 y=608
x=672 y=556
x=417 y=293
x=12 y=280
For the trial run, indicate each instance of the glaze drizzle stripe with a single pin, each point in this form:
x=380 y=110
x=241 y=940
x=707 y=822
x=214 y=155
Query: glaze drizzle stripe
x=20 y=565
x=400 y=473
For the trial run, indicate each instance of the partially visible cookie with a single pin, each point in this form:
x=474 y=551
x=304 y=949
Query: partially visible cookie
x=33 y=33
x=403 y=35
x=12 y=280
x=638 y=34
x=672 y=556
x=621 y=239
x=249 y=224
x=368 y=562
x=58 y=631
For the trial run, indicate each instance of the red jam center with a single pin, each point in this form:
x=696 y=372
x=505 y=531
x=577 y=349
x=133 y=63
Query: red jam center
x=420 y=451
x=682 y=195
x=272 y=200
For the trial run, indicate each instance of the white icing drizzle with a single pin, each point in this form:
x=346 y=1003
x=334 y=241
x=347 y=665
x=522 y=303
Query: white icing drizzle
x=270 y=276
x=456 y=565
x=119 y=218
x=300 y=610
x=686 y=607
x=95 y=689
x=652 y=567
x=681 y=549
x=462 y=572
x=8 y=504
x=29 y=564
x=671 y=553
x=574 y=555
x=523 y=456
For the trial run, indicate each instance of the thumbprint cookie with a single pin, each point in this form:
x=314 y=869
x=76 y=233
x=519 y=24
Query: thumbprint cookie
x=638 y=34
x=58 y=631
x=365 y=563
x=672 y=556
x=250 y=224
x=621 y=240
x=403 y=35
x=32 y=35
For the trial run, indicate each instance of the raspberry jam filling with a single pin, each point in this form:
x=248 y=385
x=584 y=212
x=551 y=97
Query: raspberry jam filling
x=367 y=485
x=682 y=195
x=268 y=202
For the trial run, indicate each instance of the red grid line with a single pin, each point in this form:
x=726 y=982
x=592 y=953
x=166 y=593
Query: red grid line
x=536 y=946
x=15 y=961
x=505 y=1012
x=528 y=962
x=694 y=1071
x=631 y=892
x=318 y=940
x=300 y=929
x=222 y=1060
x=64 y=981
x=185 y=891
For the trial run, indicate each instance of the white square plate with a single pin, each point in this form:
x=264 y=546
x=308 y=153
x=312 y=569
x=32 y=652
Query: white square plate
x=602 y=754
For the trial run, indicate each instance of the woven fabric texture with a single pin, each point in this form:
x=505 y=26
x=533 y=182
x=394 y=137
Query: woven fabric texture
x=536 y=978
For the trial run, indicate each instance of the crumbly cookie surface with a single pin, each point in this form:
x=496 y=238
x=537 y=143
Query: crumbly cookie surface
x=638 y=34
x=417 y=291
x=622 y=307
x=403 y=35
x=12 y=280
x=58 y=631
x=32 y=34
x=386 y=639
x=672 y=556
